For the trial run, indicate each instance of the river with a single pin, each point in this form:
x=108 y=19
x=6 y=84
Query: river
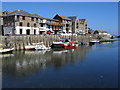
x=84 y=67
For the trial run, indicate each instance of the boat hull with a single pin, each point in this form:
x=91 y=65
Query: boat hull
x=92 y=43
x=57 y=46
x=29 y=47
x=4 y=51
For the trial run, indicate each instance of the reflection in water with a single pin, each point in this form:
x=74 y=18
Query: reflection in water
x=84 y=67
x=27 y=62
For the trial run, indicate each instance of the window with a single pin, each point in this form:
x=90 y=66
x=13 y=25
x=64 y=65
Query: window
x=34 y=24
x=32 y=19
x=20 y=24
x=28 y=24
x=23 y=18
x=17 y=17
x=67 y=25
x=37 y=20
x=41 y=25
x=49 y=26
x=20 y=31
x=34 y=31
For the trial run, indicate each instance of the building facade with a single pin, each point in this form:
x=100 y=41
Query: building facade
x=21 y=22
x=54 y=25
x=75 y=24
x=83 y=23
x=2 y=13
x=67 y=28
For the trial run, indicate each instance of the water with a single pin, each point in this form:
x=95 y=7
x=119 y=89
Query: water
x=85 y=67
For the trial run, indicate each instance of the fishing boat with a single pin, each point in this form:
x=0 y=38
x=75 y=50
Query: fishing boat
x=76 y=44
x=6 y=50
x=58 y=43
x=41 y=46
x=63 y=43
x=93 y=41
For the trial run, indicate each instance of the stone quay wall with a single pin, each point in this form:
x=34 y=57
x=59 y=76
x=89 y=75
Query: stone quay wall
x=19 y=42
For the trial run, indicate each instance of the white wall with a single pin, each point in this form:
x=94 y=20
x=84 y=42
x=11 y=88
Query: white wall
x=25 y=28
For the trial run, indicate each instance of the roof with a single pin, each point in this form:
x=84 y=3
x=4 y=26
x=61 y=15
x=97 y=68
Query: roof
x=1 y=12
x=22 y=13
x=64 y=17
x=37 y=15
x=102 y=31
x=82 y=19
x=73 y=17
x=51 y=19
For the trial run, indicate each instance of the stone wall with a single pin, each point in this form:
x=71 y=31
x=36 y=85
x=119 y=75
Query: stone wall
x=19 y=42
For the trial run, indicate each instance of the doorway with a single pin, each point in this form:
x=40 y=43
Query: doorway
x=28 y=32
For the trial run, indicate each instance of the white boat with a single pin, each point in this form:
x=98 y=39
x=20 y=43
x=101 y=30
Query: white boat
x=93 y=41
x=41 y=46
x=6 y=50
x=30 y=47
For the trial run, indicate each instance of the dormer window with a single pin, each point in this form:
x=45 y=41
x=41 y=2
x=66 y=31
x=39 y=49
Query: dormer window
x=23 y=18
x=17 y=17
x=32 y=19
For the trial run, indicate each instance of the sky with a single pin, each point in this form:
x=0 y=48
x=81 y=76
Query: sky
x=100 y=15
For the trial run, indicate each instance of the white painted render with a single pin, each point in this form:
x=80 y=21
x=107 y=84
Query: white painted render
x=25 y=28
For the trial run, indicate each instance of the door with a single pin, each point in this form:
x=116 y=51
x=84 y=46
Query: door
x=28 y=32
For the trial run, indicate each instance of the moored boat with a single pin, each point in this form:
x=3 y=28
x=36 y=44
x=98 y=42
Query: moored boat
x=41 y=46
x=63 y=43
x=6 y=50
x=58 y=43
x=30 y=47
x=93 y=41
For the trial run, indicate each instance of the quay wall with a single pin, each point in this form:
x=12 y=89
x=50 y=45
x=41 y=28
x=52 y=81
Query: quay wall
x=19 y=42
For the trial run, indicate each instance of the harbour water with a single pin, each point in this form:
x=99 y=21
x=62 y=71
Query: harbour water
x=84 y=67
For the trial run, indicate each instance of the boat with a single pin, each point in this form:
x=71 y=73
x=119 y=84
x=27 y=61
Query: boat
x=85 y=43
x=76 y=44
x=30 y=47
x=6 y=50
x=93 y=41
x=63 y=43
x=41 y=46
x=58 y=43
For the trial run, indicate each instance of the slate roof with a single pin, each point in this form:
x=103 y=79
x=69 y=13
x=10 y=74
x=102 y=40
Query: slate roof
x=101 y=31
x=21 y=12
x=73 y=17
x=51 y=19
x=82 y=19
x=64 y=17
x=37 y=16
x=1 y=12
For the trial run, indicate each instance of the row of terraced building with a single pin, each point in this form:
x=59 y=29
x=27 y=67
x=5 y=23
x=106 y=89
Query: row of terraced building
x=21 y=22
